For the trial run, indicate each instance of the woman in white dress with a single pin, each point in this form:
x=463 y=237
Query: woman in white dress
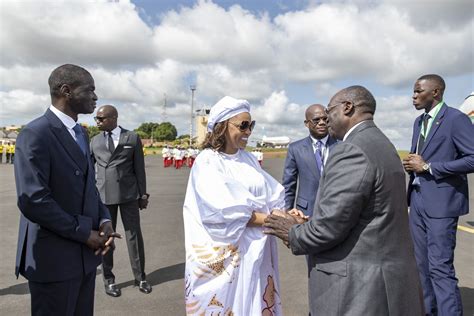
x=231 y=265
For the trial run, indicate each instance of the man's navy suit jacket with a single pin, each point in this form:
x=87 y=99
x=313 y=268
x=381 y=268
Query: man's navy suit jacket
x=301 y=175
x=449 y=148
x=59 y=203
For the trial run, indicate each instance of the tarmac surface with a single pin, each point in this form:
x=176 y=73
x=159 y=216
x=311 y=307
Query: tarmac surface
x=162 y=226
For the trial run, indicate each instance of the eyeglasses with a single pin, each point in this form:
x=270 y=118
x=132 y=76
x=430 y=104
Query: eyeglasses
x=316 y=120
x=102 y=118
x=330 y=108
x=244 y=125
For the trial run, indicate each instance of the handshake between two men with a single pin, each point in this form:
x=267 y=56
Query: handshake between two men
x=279 y=223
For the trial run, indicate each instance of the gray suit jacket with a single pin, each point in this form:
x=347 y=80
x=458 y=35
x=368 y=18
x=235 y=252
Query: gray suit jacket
x=301 y=171
x=120 y=176
x=362 y=259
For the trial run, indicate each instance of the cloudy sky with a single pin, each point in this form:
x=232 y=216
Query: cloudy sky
x=281 y=55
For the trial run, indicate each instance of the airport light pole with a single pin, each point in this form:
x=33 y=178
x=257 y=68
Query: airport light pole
x=193 y=88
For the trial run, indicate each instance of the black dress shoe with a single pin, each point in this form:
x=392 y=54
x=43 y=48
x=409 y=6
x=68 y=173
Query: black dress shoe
x=112 y=290
x=143 y=286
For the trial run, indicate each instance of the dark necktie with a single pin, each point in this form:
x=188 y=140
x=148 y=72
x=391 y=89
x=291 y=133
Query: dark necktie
x=319 y=155
x=422 y=138
x=110 y=142
x=80 y=140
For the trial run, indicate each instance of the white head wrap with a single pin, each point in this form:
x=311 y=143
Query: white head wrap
x=224 y=109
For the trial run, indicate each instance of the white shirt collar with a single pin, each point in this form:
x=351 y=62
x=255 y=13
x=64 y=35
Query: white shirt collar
x=64 y=118
x=352 y=128
x=115 y=132
x=323 y=140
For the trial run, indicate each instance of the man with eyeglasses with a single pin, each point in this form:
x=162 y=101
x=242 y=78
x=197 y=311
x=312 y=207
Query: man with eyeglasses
x=358 y=240
x=121 y=181
x=305 y=160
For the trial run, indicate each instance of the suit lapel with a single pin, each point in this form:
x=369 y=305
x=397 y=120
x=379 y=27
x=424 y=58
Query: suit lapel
x=416 y=134
x=309 y=157
x=99 y=144
x=434 y=126
x=122 y=140
x=66 y=140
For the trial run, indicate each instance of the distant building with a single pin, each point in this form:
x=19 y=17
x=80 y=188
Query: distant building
x=274 y=142
x=201 y=125
x=7 y=136
x=12 y=135
x=13 y=128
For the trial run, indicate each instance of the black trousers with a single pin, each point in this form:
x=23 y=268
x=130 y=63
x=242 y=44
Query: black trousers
x=66 y=298
x=130 y=215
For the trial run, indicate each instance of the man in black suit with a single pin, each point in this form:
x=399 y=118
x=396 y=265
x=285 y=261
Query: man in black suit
x=305 y=162
x=64 y=227
x=121 y=181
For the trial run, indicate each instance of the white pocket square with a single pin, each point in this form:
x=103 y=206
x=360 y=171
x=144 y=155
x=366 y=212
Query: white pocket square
x=125 y=147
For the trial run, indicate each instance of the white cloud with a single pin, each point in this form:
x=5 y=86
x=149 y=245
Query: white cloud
x=332 y=41
x=234 y=52
x=219 y=80
x=207 y=33
x=21 y=103
x=105 y=33
x=395 y=116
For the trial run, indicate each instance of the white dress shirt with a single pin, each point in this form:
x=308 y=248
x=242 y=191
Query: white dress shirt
x=324 y=147
x=352 y=129
x=66 y=120
x=115 y=136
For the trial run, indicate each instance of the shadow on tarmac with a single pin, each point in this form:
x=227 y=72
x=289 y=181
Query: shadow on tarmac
x=163 y=275
x=170 y=273
x=467 y=297
x=17 y=289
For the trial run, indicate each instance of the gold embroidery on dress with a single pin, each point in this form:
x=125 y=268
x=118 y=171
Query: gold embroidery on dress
x=215 y=302
x=269 y=297
x=215 y=260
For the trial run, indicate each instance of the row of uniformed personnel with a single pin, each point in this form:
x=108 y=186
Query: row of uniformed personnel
x=9 y=149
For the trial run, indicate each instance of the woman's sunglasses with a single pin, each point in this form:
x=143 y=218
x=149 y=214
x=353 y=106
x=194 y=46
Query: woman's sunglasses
x=244 y=125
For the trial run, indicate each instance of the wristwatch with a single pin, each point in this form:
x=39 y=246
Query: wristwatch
x=426 y=167
x=145 y=196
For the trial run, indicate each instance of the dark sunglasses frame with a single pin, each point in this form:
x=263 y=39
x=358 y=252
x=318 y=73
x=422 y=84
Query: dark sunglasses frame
x=244 y=125
x=316 y=121
x=102 y=118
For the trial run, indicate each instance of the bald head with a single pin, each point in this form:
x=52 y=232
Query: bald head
x=106 y=118
x=349 y=107
x=316 y=121
x=360 y=97
x=311 y=109
x=108 y=110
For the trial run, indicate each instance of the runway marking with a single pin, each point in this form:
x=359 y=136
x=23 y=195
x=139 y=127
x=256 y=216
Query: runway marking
x=466 y=229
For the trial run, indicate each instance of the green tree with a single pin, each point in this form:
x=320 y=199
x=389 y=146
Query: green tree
x=184 y=136
x=165 y=132
x=92 y=131
x=141 y=134
x=147 y=129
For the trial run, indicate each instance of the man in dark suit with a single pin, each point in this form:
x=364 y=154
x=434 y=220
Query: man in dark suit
x=121 y=182
x=362 y=259
x=305 y=162
x=63 y=225
x=442 y=154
